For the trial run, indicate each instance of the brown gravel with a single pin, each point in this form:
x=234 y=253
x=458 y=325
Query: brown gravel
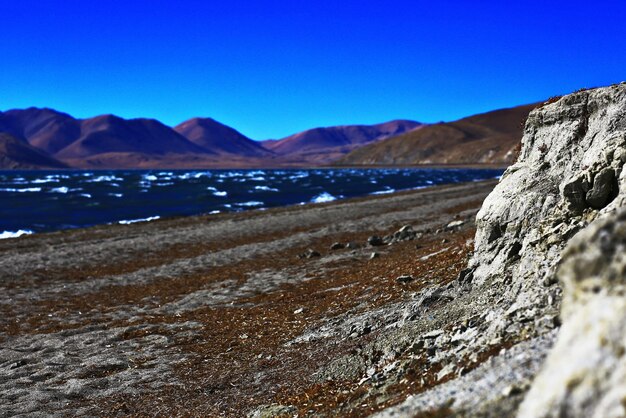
x=241 y=353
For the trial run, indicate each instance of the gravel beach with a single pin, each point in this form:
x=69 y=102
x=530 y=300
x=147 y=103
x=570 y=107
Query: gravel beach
x=304 y=309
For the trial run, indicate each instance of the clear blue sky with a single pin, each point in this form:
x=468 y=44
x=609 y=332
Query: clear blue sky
x=272 y=68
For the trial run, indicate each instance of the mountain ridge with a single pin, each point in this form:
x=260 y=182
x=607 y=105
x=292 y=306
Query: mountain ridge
x=109 y=141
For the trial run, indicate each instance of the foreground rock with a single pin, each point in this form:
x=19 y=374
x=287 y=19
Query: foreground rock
x=585 y=374
x=569 y=174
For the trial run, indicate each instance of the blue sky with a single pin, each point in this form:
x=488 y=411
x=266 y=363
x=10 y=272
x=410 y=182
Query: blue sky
x=272 y=68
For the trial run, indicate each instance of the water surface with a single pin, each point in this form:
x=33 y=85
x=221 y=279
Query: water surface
x=39 y=201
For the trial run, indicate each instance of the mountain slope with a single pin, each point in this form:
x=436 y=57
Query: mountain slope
x=213 y=136
x=111 y=134
x=490 y=137
x=17 y=154
x=46 y=129
x=347 y=136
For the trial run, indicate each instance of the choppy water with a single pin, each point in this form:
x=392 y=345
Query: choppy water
x=38 y=201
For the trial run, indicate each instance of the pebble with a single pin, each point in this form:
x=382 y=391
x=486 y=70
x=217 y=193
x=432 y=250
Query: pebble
x=311 y=253
x=337 y=246
x=404 y=279
x=455 y=224
x=433 y=334
x=375 y=241
x=374 y=255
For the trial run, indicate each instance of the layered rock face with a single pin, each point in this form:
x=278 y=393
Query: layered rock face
x=569 y=172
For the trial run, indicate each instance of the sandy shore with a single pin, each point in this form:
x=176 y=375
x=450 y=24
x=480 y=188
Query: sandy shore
x=229 y=314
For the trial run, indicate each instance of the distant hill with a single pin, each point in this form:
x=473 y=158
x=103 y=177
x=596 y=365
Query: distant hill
x=327 y=144
x=17 y=154
x=46 y=129
x=487 y=138
x=102 y=141
x=108 y=133
x=218 y=138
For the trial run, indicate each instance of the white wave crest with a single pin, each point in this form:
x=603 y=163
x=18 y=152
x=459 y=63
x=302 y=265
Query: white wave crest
x=323 y=197
x=265 y=188
x=134 y=221
x=11 y=234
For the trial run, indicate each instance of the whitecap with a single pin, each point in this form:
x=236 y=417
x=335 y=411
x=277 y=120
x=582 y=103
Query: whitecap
x=46 y=180
x=104 y=178
x=265 y=188
x=116 y=194
x=132 y=221
x=251 y=203
x=149 y=177
x=323 y=197
x=61 y=189
x=220 y=194
x=28 y=189
x=383 y=191
x=214 y=212
x=19 y=233
x=299 y=175
x=87 y=195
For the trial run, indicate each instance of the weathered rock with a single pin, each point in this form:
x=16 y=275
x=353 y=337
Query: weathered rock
x=375 y=241
x=336 y=246
x=569 y=172
x=574 y=194
x=405 y=279
x=600 y=193
x=585 y=374
x=310 y=253
x=353 y=245
x=568 y=175
x=455 y=224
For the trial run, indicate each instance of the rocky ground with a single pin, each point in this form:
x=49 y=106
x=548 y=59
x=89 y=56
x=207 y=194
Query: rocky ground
x=311 y=309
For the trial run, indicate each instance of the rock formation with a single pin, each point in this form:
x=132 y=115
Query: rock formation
x=569 y=173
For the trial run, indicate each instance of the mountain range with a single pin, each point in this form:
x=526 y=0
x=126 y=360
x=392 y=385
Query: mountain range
x=46 y=138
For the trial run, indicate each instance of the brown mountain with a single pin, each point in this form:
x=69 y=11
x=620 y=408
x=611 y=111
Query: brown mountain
x=17 y=154
x=326 y=144
x=487 y=138
x=213 y=136
x=46 y=129
x=111 y=134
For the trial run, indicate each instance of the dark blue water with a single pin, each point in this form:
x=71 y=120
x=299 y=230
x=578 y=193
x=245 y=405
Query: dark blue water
x=37 y=201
